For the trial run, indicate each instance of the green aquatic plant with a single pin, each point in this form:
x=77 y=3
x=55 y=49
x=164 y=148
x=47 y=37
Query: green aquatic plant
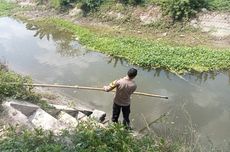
x=6 y=7
x=148 y=53
x=222 y=5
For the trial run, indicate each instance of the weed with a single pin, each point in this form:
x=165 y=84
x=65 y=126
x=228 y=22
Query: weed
x=11 y=86
x=6 y=7
x=88 y=136
x=148 y=53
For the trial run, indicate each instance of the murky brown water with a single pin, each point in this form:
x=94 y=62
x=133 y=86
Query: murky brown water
x=50 y=56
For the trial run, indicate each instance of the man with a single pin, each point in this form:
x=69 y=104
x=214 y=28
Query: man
x=124 y=88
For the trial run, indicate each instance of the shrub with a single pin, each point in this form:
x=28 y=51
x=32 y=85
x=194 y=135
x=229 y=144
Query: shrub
x=59 y=3
x=219 y=5
x=181 y=9
x=134 y=2
x=11 y=86
x=6 y=7
x=87 y=137
x=90 y=5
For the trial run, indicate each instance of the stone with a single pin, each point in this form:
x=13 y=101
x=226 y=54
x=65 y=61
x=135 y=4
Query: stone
x=80 y=115
x=151 y=15
x=15 y=116
x=98 y=115
x=72 y=111
x=67 y=119
x=24 y=107
x=76 y=12
x=41 y=119
x=58 y=108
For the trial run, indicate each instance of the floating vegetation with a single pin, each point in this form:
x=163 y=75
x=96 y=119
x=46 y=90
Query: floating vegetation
x=6 y=7
x=147 y=53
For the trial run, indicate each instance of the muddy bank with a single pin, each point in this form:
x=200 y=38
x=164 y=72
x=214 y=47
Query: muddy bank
x=212 y=29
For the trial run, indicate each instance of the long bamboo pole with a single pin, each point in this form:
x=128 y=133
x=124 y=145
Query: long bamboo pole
x=90 y=88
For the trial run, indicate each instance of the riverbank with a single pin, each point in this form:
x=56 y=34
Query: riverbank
x=138 y=49
x=88 y=135
x=202 y=99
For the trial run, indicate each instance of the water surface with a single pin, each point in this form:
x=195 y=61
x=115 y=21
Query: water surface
x=52 y=56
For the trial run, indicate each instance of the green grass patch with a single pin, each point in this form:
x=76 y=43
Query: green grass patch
x=148 y=53
x=87 y=137
x=221 y=5
x=6 y=8
x=11 y=86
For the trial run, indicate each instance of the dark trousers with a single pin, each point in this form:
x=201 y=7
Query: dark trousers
x=125 y=111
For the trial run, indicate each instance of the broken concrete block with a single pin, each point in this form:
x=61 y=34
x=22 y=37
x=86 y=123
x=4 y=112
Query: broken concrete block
x=84 y=119
x=58 y=108
x=71 y=110
x=25 y=107
x=15 y=116
x=67 y=119
x=80 y=115
x=41 y=119
x=98 y=115
x=61 y=107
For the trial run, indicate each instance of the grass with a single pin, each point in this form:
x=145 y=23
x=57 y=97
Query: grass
x=221 y=5
x=11 y=86
x=145 y=52
x=148 y=53
x=87 y=137
x=6 y=8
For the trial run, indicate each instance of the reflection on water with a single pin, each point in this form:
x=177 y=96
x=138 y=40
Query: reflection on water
x=63 y=38
x=200 y=100
x=114 y=61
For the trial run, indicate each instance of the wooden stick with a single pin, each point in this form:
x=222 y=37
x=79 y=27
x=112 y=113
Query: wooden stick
x=90 y=88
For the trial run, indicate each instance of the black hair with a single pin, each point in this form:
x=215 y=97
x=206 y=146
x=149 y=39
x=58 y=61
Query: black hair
x=132 y=72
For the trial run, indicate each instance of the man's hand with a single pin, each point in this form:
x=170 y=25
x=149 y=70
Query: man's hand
x=111 y=86
x=106 y=88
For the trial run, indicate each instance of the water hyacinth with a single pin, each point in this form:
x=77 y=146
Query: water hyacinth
x=148 y=53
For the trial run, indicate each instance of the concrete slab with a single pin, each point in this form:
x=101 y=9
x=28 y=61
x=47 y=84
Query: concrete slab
x=80 y=115
x=84 y=119
x=41 y=119
x=98 y=115
x=24 y=107
x=14 y=116
x=67 y=119
x=73 y=112
x=58 y=108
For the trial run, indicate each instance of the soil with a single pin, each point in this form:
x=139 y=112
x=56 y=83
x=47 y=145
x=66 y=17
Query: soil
x=211 y=29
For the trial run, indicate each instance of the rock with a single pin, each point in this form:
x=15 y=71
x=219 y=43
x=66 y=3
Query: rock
x=67 y=119
x=151 y=15
x=24 y=3
x=15 y=116
x=115 y=15
x=32 y=116
x=98 y=115
x=41 y=119
x=24 y=107
x=84 y=119
x=80 y=115
x=194 y=23
x=165 y=34
x=76 y=12
x=204 y=10
x=215 y=23
x=57 y=108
